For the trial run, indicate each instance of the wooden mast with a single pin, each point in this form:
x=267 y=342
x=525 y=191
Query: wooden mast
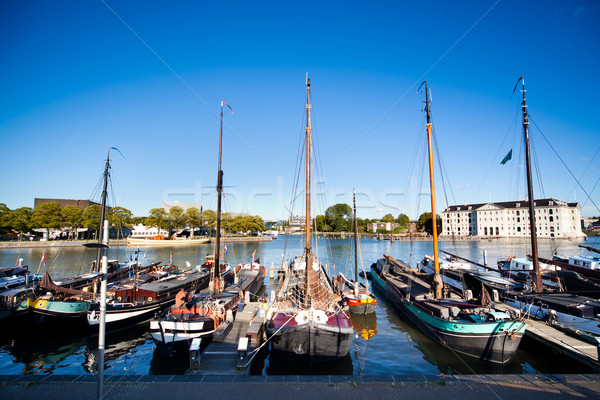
x=308 y=245
x=215 y=284
x=437 y=279
x=532 y=231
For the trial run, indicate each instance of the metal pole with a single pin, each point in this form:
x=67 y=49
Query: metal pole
x=102 y=325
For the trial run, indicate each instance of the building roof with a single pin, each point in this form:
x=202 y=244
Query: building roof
x=511 y=204
x=63 y=202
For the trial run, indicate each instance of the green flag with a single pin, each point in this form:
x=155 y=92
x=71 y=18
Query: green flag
x=507 y=157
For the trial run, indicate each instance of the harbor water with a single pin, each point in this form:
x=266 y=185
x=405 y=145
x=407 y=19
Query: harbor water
x=383 y=344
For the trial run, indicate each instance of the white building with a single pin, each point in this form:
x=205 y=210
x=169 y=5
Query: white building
x=553 y=218
x=299 y=221
x=382 y=226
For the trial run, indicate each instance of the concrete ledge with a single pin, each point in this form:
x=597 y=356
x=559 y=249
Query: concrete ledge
x=294 y=387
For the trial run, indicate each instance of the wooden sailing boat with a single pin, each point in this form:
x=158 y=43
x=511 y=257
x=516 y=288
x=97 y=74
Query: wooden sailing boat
x=60 y=304
x=357 y=296
x=574 y=312
x=307 y=322
x=200 y=315
x=477 y=330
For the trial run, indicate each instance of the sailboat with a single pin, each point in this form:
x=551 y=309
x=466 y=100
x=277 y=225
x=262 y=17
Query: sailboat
x=476 y=330
x=357 y=295
x=307 y=321
x=569 y=310
x=69 y=301
x=200 y=315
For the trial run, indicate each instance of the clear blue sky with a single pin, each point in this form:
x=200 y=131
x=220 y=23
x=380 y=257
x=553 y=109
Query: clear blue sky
x=147 y=77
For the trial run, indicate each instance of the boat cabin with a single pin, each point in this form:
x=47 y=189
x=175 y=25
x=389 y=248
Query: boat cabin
x=585 y=262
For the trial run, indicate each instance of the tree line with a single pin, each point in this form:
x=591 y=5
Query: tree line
x=339 y=218
x=51 y=215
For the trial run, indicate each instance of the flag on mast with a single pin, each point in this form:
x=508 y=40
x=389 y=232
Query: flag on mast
x=225 y=248
x=223 y=101
x=44 y=259
x=506 y=158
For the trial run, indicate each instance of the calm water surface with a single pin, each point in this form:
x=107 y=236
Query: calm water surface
x=382 y=345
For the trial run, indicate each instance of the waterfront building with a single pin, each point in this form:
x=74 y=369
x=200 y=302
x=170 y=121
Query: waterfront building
x=298 y=221
x=382 y=226
x=63 y=202
x=553 y=219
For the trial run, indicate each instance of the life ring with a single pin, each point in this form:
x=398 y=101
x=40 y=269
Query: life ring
x=119 y=298
x=149 y=298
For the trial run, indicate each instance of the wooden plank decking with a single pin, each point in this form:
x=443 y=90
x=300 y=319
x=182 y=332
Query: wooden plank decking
x=578 y=349
x=221 y=356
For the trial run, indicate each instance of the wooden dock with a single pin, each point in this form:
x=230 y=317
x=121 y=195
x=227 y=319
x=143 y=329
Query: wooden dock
x=568 y=344
x=580 y=350
x=230 y=351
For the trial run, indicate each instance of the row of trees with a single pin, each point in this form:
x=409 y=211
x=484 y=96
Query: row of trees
x=51 y=216
x=177 y=218
x=339 y=218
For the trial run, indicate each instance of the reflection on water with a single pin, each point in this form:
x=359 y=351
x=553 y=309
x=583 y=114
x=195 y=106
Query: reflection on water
x=365 y=328
x=382 y=345
x=365 y=325
x=278 y=366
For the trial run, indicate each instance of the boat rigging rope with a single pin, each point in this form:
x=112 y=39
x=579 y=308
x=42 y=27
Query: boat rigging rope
x=256 y=350
x=562 y=161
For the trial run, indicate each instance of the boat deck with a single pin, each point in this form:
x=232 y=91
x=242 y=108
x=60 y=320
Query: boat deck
x=221 y=356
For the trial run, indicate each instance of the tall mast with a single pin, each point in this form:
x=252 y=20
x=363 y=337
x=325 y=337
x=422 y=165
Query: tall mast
x=215 y=271
x=355 y=245
x=103 y=211
x=308 y=245
x=437 y=280
x=532 y=231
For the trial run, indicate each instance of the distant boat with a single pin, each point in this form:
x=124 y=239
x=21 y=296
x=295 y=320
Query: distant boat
x=357 y=295
x=308 y=322
x=476 y=330
x=156 y=241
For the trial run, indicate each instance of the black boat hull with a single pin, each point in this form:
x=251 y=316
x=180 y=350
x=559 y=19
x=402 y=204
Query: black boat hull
x=311 y=342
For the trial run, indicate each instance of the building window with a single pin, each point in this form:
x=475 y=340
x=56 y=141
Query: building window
x=485 y=231
x=497 y=231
